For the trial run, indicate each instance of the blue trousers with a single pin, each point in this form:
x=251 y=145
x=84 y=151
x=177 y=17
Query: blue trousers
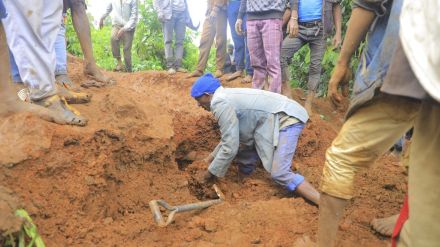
x=2 y=10
x=240 y=46
x=60 y=52
x=281 y=171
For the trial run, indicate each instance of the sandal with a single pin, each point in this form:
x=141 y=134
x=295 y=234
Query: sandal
x=73 y=97
x=65 y=114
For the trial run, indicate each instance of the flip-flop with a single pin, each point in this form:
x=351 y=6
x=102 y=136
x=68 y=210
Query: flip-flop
x=73 y=97
x=66 y=113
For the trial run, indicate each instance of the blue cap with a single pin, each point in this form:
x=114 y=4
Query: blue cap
x=205 y=84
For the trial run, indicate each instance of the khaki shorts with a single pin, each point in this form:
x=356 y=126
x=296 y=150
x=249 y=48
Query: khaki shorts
x=364 y=137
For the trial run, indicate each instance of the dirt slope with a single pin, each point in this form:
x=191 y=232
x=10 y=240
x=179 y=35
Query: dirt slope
x=91 y=186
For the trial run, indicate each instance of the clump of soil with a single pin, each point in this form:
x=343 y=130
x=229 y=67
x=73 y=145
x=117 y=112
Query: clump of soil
x=146 y=140
x=9 y=223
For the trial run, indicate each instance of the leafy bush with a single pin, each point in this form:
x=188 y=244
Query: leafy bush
x=148 y=47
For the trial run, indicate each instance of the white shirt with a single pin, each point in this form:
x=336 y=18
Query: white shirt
x=420 y=36
x=124 y=13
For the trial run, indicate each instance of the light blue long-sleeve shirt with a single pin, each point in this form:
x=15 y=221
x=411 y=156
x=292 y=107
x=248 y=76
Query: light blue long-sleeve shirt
x=248 y=118
x=124 y=13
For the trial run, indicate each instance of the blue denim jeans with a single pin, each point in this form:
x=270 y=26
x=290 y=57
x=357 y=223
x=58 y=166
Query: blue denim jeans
x=60 y=52
x=2 y=10
x=241 y=50
x=281 y=171
x=177 y=25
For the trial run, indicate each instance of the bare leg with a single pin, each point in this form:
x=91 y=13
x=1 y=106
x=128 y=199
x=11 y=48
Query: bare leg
x=9 y=102
x=82 y=28
x=330 y=212
x=385 y=226
x=285 y=89
x=306 y=190
x=308 y=103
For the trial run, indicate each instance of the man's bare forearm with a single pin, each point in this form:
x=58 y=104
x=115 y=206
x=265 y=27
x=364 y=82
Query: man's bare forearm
x=359 y=23
x=337 y=17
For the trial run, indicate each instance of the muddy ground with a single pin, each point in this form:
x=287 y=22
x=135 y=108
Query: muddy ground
x=91 y=186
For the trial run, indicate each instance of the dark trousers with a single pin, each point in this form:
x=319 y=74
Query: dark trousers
x=241 y=50
x=307 y=35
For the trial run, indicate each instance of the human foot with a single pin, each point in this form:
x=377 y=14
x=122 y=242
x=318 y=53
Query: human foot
x=119 y=67
x=171 y=71
x=308 y=103
x=384 y=226
x=73 y=97
x=307 y=191
x=181 y=70
x=247 y=79
x=234 y=75
x=95 y=73
x=196 y=73
x=303 y=241
x=218 y=73
x=61 y=112
x=64 y=81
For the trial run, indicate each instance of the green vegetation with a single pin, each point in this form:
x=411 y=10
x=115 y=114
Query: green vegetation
x=148 y=48
x=300 y=63
x=28 y=235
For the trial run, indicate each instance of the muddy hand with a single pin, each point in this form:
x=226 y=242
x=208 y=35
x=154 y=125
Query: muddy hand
x=292 y=28
x=208 y=159
x=205 y=177
x=337 y=80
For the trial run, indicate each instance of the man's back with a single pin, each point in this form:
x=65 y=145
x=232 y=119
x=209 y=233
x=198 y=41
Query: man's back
x=259 y=100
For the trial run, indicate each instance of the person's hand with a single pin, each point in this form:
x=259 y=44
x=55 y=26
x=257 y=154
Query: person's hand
x=161 y=17
x=205 y=177
x=208 y=159
x=340 y=78
x=238 y=26
x=337 y=40
x=212 y=15
x=101 y=23
x=120 y=33
x=292 y=28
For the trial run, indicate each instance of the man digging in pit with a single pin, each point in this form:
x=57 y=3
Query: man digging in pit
x=254 y=124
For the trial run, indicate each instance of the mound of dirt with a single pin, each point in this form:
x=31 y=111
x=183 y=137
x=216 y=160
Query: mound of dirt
x=9 y=223
x=146 y=140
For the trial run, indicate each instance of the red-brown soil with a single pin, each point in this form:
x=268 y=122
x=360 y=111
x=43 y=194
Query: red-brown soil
x=91 y=186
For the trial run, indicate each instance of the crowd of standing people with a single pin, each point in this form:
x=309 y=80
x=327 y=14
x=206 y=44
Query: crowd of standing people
x=396 y=87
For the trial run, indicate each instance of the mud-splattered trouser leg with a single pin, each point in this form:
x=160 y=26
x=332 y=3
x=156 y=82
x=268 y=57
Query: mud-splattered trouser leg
x=281 y=171
x=363 y=138
x=31 y=31
x=282 y=159
x=424 y=177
